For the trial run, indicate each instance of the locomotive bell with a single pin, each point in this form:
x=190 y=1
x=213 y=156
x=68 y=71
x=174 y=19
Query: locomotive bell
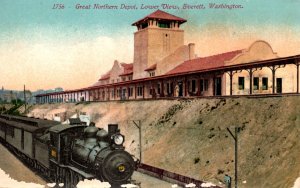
x=102 y=134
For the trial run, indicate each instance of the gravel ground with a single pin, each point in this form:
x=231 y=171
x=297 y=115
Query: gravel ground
x=147 y=181
x=16 y=169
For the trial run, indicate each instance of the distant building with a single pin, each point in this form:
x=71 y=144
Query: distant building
x=163 y=66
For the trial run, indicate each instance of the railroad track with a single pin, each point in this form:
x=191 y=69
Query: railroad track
x=170 y=177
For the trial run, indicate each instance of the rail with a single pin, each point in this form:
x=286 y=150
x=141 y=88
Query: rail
x=170 y=176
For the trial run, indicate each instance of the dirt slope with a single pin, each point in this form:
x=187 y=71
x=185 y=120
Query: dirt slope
x=190 y=137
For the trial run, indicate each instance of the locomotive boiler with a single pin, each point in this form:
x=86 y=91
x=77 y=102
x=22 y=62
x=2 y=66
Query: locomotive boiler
x=69 y=153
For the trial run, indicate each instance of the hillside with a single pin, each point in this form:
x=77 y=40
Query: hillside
x=190 y=137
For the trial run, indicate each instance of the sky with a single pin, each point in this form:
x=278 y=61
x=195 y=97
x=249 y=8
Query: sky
x=71 y=48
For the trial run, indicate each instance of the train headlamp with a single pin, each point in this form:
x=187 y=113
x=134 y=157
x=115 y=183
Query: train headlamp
x=118 y=139
x=121 y=168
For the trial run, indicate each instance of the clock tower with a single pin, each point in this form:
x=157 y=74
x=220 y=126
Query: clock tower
x=158 y=35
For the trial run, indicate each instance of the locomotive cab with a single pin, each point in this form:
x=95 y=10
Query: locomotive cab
x=61 y=137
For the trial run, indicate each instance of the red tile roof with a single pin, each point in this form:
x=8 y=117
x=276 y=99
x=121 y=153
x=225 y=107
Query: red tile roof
x=105 y=76
x=160 y=15
x=128 y=69
x=152 y=67
x=204 y=63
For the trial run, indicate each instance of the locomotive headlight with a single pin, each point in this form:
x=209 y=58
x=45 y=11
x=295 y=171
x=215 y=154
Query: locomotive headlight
x=118 y=139
x=121 y=168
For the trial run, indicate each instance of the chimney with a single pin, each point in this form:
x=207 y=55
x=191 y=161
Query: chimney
x=191 y=51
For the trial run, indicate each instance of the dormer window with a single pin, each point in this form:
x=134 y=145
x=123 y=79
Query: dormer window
x=151 y=73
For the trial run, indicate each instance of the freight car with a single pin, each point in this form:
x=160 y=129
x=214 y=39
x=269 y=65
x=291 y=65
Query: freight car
x=68 y=153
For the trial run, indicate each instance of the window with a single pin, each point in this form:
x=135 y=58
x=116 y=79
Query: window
x=10 y=131
x=204 y=84
x=123 y=93
x=144 y=25
x=140 y=91
x=241 y=83
x=123 y=79
x=54 y=140
x=112 y=93
x=264 y=83
x=163 y=25
x=158 y=89
x=130 y=77
x=256 y=83
x=168 y=85
x=193 y=86
x=152 y=73
x=169 y=88
x=118 y=93
x=130 y=92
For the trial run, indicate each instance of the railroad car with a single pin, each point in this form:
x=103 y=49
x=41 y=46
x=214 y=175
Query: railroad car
x=68 y=153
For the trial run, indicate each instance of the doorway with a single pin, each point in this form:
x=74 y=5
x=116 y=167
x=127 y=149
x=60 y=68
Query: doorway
x=180 y=89
x=123 y=94
x=218 y=86
x=278 y=85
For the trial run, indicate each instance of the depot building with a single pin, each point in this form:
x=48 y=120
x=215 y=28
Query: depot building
x=165 y=67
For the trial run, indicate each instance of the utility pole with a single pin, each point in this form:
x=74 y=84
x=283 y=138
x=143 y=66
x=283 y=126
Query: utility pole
x=235 y=137
x=25 y=99
x=138 y=124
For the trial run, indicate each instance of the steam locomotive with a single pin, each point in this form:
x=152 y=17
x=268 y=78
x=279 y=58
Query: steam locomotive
x=69 y=153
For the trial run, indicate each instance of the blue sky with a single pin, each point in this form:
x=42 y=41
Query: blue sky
x=63 y=45
x=22 y=16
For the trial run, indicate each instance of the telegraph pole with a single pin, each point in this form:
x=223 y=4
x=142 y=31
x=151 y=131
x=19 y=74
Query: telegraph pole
x=235 y=137
x=25 y=98
x=138 y=124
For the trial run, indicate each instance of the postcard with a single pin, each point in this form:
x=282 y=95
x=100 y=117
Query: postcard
x=195 y=93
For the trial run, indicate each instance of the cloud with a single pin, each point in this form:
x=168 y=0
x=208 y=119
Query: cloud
x=214 y=38
x=71 y=63
x=48 y=58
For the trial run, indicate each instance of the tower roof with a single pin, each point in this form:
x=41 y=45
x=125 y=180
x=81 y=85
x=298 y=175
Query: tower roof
x=160 y=15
